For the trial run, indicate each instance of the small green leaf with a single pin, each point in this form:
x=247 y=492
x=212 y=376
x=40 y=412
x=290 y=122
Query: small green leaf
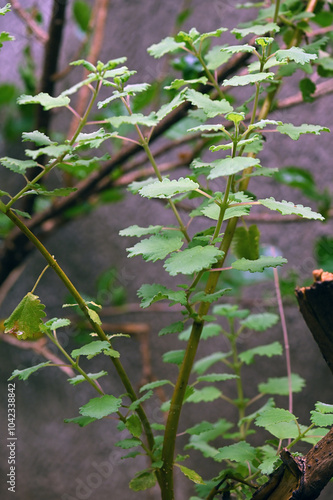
x=81 y=421
x=294 y=131
x=143 y=481
x=101 y=407
x=175 y=357
x=153 y=293
x=140 y=231
x=288 y=208
x=38 y=138
x=209 y=330
x=280 y=385
x=82 y=14
x=44 y=100
x=167 y=188
x=321 y=419
x=25 y=374
x=270 y=459
x=153 y=385
x=55 y=323
x=5 y=37
x=257 y=266
x=245 y=242
x=180 y=82
x=209 y=297
x=206 y=394
x=167 y=108
x=205 y=363
x=192 y=260
x=17 y=166
x=176 y=327
x=235 y=49
x=25 y=322
x=53 y=151
x=215 y=57
x=80 y=378
x=128 y=443
x=230 y=311
x=133 y=406
x=211 y=108
x=323 y=407
x=251 y=78
x=133 y=424
x=294 y=54
x=191 y=474
x=257 y=29
x=165 y=46
x=231 y=166
x=273 y=349
x=217 y=377
x=92 y=349
x=156 y=247
x=260 y=322
x=238 y=452
x=134 y=119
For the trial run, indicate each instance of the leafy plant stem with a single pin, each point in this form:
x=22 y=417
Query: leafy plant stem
x=83 y=306
x=208 y=73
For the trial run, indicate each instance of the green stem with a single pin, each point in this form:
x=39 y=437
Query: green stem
x=83 y=306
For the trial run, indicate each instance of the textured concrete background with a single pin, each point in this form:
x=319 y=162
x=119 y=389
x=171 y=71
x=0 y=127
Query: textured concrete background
x=58 y=461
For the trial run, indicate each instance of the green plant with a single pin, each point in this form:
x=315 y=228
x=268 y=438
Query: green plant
x=217 y=192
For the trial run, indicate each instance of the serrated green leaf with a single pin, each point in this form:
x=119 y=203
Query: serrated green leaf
x=55 y=192
x=53 y=151
x=101 y=407
x=211 y=108
x=94 y=316
x=205 y=394
x=167 y=108
x=280 y=385
x=236 y=81
x=217 y=377
x=323 y=407
x=25 y=374
x=133 y=406
x=238 y=452
x=294 y=54
x=134 y=119
x=176 y=327
x=192 y=260
x=191 y=474
x=205 y=363
x=55 y=323
x=17 y=166
x=81 y=421
x=269 y=350
x=153 y=385
x=143 y=481
x=136 y=88
x=230 y=166
x=230 y=311
x=199 y=428
x=257 y=29
x=44 y=100
x=80 y=378
x=82 y=14
x=133 y=424
x=25 y=322
x=175 y=357
x=38 y=138
x=180 y=82
x=212 y=211
x=153 y=293
x=257 y=266
x=140 y=231
x=270 y=459
x=279 y=422
x=288 y=208
x=92 y=349
x=5 y=37
x=156 y=247
x=245 y=242
x=167 y=188
x=93 y=139
x=165 y=46
x=295 y=131
x=260 y=322
x=321 y=419
x=207 y=127
x=128 y=443
x=235 y=49
x=211 y=297
x=215 y=57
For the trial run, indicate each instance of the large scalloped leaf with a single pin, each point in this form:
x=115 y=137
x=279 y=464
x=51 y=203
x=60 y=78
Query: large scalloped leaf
x=156 y=247
x=25 y=322
x=269 y=350
x=165 y=46
x=153 y=293
x=38 y=138
x=257 y=266
x=228 y=166
x=288 y=208
x=192 y=260
x=237 y=452
x=44 y=100
x=294 y=131
x=167 y=188
x=280 y=385
x=211 y=108
x=294 y=54
x=101 y=407
x=236 y=81
x=260 y=322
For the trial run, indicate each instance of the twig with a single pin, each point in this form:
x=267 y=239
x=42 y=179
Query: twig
x=37 y=31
